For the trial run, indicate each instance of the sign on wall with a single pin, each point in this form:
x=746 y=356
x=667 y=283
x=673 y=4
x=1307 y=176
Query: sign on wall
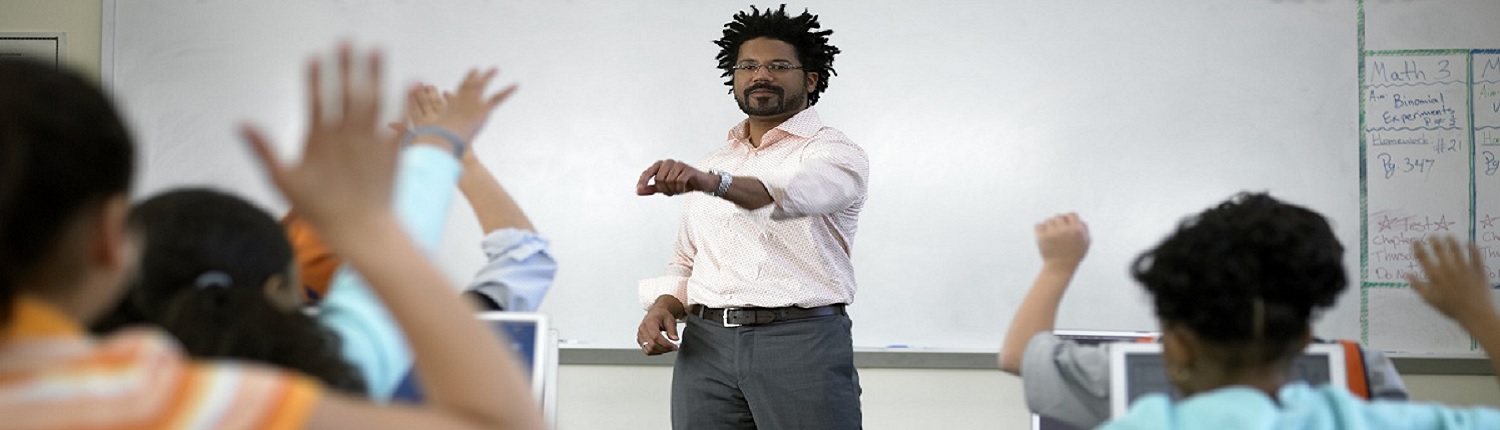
x=42 y=47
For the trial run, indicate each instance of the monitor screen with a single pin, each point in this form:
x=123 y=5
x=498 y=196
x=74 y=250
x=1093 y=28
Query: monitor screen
x=522 y=337
x=526 y=335
x=1086 y=337
x=1139 y=369
x=1146 y=373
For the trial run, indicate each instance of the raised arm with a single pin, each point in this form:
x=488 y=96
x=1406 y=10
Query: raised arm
x=1456 y=285
x=493 y=206
x=427 y=170
x=672 y=177
x=343 y=186
x=831 y=177
x=519 y=268
x=1063 y=241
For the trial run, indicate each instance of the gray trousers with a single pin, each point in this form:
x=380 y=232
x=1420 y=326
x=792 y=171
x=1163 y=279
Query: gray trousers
x=795 y=374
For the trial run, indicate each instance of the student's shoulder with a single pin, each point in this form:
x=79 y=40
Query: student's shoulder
x=1053 y=360
x=190 y=387
x=1052 y=344
x=141 y=345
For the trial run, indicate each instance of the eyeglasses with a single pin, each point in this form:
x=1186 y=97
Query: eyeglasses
x=773 y=67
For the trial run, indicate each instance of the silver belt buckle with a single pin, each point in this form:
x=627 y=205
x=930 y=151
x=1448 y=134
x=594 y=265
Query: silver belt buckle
x=724 y=318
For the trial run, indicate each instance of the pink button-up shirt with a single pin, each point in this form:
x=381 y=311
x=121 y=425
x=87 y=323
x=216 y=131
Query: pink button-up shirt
x=793 y=252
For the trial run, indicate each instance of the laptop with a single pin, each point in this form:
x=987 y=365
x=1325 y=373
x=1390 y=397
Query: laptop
x=1138 y=369
x=534 y=342
x=528 y=334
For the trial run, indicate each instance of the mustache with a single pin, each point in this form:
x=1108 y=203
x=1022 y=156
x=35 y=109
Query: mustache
x=764 y=86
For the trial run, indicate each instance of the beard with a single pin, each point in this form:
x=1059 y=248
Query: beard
x=777 y=104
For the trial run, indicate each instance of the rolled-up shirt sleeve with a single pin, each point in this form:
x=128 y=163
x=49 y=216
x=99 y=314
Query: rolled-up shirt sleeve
x=832 y=176
x=1385 y=382
x=519 y=271
x=1066 y=381
x=674 y=281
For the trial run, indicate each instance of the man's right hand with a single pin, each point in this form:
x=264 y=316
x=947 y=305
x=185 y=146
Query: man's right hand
x=672 y=177
x=1063 y=241
x=662 y=317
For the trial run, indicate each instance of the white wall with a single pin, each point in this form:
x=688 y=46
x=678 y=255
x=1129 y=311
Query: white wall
x=636 y=397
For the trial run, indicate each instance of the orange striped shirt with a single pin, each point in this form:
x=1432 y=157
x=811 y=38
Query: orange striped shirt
x=53 y=376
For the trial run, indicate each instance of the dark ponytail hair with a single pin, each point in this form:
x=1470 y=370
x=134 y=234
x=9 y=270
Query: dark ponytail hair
x=12 y=172
x=1252 y=272
x=63 y=151
x=204 y=270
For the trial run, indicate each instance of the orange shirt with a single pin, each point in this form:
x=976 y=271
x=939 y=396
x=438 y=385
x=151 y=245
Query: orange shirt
x=53 y=376
x=315 y=261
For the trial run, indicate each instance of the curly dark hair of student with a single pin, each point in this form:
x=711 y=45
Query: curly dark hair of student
x=227 y=313
x=801 y=31
x=63 y=152
x=1252 y=270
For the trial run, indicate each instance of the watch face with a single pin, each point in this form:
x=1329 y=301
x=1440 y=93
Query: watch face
x=724 y=180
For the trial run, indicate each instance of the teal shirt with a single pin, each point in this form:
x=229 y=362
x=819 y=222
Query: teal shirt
x=1301 y=407
x=370 y=338
x=518 y=272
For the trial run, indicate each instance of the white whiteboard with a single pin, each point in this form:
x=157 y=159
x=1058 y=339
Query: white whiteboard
x=980 y=118
x=1431 y=103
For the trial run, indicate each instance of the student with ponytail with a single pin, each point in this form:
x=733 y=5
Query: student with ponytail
x=353 y=343
x=216 y=273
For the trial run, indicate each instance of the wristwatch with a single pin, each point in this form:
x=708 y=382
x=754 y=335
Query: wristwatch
x=725 y=179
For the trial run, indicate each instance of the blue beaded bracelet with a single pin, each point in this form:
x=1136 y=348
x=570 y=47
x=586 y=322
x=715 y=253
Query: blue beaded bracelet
x=453 y=139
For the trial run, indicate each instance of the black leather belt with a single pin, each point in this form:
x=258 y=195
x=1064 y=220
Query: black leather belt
x=735 y=317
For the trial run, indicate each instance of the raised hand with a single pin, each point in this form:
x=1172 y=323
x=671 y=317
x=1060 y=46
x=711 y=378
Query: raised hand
x=1063 y=240
x=1455 y=283
x=423 y=103
x=465 y=110
x=347 y=163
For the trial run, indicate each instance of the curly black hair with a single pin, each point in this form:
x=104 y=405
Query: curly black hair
x=801 y=31
x=191 y=232
x=1252 y=270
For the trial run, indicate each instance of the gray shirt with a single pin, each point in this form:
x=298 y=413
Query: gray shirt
x=1069 y=382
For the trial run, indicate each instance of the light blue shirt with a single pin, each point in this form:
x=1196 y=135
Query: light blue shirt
x=1301 y=407
x=518 y=273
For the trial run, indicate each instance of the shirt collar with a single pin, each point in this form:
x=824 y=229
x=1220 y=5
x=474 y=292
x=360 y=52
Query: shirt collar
x=804 y=124
x=32 y=317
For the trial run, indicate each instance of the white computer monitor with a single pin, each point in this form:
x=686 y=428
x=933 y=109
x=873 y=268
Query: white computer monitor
x=532 y=339
x=1138 y=369
x=530 y=336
